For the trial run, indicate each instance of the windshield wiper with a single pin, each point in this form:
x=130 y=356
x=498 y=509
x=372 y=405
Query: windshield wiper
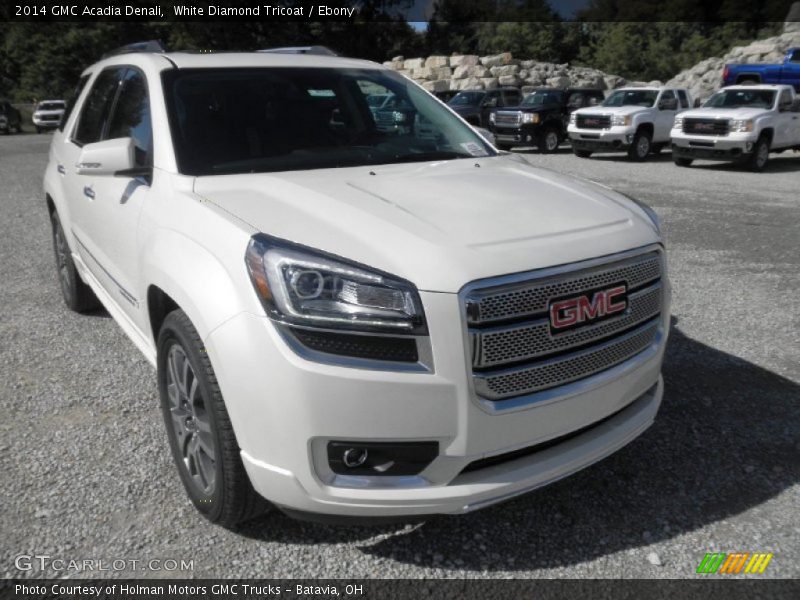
x=433 y=155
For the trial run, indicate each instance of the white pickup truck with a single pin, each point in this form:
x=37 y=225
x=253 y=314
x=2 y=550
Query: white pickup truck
x=741 y=123
x=348 y=321
x=635 y=120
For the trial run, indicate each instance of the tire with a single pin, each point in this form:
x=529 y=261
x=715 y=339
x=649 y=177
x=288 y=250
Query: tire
x=200 y=434
x=505 y=147
x=640 y=148
x=682 y=162
x=548 y=141
x=38 y=129
x=581 y=153
x=78 y=296
x=757 y=160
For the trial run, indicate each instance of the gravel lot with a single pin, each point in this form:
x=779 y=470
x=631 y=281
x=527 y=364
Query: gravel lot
x=85 y=471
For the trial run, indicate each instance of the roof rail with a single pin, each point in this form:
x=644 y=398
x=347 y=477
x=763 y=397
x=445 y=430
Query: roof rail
x=317 y=50
x=155 y=46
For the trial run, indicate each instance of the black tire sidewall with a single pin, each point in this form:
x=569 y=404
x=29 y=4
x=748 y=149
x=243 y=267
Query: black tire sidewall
x=70 y=295
x=634 y=151
x=174 y=331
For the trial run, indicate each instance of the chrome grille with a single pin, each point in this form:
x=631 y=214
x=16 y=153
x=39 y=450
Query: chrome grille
x=507 y=118
x=567 y=368
x=593 y=121
x=514 y=350
x=532 y=339
x=706 y=126
x=508 y=302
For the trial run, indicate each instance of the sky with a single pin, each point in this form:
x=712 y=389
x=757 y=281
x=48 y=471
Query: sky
x=421 y=10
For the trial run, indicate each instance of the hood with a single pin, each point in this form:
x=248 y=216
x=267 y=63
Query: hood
x=724 y=113
x=437 y=224
x=611 y=110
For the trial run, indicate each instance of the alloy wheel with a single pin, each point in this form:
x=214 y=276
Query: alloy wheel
x=551 y=141
x=191 y=421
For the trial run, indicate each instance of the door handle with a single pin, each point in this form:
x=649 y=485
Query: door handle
x=88 y=192
x=62 y=170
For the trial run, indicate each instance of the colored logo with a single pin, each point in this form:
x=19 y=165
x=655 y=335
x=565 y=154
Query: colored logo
x=734 y=563
x=588 y=308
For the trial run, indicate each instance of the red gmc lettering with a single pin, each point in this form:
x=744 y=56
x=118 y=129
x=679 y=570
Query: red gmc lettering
x=580 y=309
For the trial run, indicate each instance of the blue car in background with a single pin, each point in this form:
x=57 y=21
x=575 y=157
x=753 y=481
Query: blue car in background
x=787 y=72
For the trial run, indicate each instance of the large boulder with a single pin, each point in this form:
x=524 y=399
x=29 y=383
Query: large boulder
x=413 y=63
x=558 y=82
x=464 y=60
x=497 y=60
x=489 y=83
x=437 y=61
x=503 y=70
x=508 y=80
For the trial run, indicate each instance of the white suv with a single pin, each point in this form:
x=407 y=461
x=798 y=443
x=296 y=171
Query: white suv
x=346 y=321
x=741 y=123
x=635 y=120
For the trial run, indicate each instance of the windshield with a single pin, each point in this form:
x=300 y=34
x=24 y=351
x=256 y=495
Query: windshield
x=631 y=98
x=541 y=98
x=282 y=119
x=376 y=101
x=51 y=106
x=466 y=98
x=741 y=99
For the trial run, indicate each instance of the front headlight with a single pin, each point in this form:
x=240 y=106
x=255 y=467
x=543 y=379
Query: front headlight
x=301 y=286
x=623 y=120
x=492 y=117
x=573 y=118
x=742 y=125
x=530 y=118
x=678 y=124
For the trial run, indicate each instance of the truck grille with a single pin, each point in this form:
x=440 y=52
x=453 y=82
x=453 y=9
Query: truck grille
x=507 y=119
x=515 y=352
x=706 y=126
x=593 y=121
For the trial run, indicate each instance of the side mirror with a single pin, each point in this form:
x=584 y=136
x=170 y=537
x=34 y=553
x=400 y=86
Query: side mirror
x=110 y=157
x=490 y=103
x=697 y=103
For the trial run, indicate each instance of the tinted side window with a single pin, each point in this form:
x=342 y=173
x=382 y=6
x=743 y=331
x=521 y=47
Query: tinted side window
x=131 y=117
x=73 y=98
x=94 y=113
x=683 y=99
x=795 y=58
x=785 y=99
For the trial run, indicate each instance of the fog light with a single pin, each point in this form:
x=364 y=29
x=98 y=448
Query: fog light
x=380 y=458
x=355 y=457
x=628 y=138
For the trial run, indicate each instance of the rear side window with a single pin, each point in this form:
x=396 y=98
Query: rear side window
x=73 y=98
x=94 y=112
x=683 y=99
x=795 y=58
x=131 y=117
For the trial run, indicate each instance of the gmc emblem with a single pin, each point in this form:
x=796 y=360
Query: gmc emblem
x=589 y=307
x=592 y=121
x=704 y=126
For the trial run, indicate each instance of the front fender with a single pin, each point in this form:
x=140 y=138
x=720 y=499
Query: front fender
x=198 y=281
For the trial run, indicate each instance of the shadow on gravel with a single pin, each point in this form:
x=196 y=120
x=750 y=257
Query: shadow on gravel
x=724 y=442
x=786 y=162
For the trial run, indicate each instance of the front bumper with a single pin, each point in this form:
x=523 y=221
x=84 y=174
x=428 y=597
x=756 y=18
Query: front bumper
x=726 y=148
x=285 y=409
x=614 y=139
x=523 y=134
x=45 y=124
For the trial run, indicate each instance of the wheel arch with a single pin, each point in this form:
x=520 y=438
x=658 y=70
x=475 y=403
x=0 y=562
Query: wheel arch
x=646 y=126
x=769 y=133
x=742 y=77
x=181 y=273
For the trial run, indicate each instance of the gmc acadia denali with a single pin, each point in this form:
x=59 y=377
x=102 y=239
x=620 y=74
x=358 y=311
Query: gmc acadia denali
x=345 y=320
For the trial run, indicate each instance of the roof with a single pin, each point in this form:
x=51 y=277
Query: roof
x=760 y=86
x=190 y=60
